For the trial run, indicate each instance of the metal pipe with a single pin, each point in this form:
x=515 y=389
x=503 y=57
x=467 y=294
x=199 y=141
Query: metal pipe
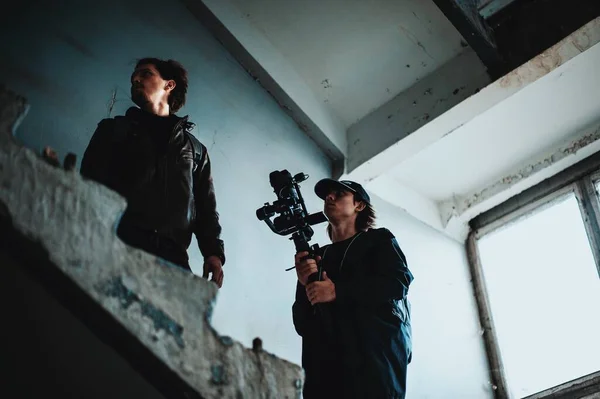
x=496 y=368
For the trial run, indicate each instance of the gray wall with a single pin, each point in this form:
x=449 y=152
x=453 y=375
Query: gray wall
x=69 y=59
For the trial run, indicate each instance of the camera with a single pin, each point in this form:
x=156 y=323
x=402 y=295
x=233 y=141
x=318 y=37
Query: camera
x=293 y=217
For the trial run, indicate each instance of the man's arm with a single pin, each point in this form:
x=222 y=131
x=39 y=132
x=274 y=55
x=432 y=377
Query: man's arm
x=389 y=280
x=207 y=228
x=302 y=310
x=97 y=154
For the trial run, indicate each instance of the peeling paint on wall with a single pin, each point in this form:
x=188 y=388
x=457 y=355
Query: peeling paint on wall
x=530 y=169
x=555 y=56
x=448 y=210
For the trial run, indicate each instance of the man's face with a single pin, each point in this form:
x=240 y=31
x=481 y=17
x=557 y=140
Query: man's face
x=147 y=86
x=340 y=204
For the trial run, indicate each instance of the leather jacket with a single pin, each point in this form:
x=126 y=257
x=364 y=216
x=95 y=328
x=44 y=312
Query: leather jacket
x=164 y=173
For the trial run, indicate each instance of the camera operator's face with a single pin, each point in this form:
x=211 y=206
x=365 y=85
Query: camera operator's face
x=340 y=204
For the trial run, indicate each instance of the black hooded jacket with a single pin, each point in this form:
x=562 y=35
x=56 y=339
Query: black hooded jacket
x=359 y=345
x=164 y=173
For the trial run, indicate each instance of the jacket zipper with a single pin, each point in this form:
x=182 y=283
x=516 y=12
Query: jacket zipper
x=166 y=158
x=165 y=178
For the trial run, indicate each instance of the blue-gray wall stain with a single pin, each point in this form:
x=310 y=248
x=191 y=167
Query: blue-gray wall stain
x=115 y=288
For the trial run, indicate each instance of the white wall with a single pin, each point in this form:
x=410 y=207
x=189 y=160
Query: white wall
x=448 y=352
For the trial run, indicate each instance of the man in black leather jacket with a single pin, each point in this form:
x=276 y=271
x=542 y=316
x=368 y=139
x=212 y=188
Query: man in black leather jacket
x=355 y=322
x=150 y=156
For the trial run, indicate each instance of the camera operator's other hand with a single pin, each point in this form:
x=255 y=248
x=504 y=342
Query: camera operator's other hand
x=321 y=291
x=306 y=267
x=214 y=266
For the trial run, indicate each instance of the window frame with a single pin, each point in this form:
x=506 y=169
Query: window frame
x=578 y=179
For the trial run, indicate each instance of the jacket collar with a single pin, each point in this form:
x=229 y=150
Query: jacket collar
x=137 y=114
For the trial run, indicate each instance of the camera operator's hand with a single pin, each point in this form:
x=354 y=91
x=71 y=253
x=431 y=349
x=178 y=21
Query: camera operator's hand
x=321 y=291
x=214 y=266
x=305 y=268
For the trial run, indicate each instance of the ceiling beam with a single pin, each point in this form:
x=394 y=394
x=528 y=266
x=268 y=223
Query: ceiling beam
x=458 y=212
x=395 y=125
x=387 y=142
x=587 y=162
x=404 y=197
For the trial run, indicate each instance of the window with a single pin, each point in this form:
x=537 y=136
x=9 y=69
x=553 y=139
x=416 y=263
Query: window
x=544 y=294
x=536 y=272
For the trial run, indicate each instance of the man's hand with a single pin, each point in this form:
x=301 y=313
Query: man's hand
x=321 y=291
x=50 y=156
x=213 y=265
x=305 y=268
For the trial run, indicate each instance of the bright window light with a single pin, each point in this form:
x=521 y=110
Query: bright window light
x=544 y=293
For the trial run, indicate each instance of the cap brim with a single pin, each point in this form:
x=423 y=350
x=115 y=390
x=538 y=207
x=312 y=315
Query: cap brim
x=325 y=186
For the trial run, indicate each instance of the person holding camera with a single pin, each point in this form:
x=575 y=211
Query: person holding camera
x=150 y=157
x=355 y=322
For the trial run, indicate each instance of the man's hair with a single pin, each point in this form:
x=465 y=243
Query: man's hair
x=171 y=70
x=364 y=220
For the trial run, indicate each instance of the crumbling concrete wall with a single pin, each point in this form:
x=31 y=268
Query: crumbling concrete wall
x=47 y=351
x=72 y=222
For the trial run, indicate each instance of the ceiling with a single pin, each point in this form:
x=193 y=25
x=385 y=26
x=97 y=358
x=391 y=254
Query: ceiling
x=517 y=131
x=496 y=141
x=403 y=103
x=356 y=55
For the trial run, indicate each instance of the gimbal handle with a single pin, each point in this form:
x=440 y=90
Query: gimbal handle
x=312 y=254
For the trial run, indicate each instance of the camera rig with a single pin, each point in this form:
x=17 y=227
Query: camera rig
x=293 y=217
x=295 y=220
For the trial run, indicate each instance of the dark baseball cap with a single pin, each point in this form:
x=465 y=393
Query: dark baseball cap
x=325 y=186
